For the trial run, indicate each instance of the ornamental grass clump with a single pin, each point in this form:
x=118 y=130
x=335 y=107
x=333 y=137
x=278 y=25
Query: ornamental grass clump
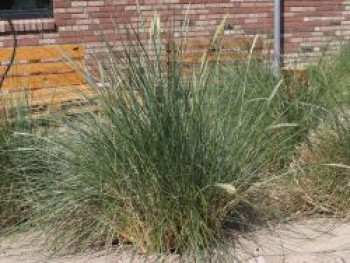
x=6 y=208
x=321 y=169
x=171 y=160
x=17 y=160
x=339 y=72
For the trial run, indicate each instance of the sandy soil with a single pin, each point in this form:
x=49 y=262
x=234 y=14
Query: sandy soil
x=312 y=241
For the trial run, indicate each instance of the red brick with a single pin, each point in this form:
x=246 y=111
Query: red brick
x=80 y=21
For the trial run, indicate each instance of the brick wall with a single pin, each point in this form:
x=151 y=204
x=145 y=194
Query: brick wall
x=313 y=26
x=309 y=25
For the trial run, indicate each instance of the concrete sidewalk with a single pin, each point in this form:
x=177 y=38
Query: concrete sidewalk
x=312 y=241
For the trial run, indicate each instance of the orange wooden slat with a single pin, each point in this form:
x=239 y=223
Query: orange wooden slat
x=53 y=96
x=194 y=44
x=71 y=112
x=196 y=58
x=243 y=43
x=45 y=77
x=43 y=81
x=40 y=68
x=60 y=94
x=48 y=52
x=229 y=42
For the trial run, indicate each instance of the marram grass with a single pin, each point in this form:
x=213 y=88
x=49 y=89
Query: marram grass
x=17 y=160
x=170 y=161
x=174 y=159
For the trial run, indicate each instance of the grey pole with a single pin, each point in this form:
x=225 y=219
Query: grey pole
x=277 y=37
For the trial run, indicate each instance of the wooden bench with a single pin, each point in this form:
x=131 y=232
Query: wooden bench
x=231 y=49
x=49 y=77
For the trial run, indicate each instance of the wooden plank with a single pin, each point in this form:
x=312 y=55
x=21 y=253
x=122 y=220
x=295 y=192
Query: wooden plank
x=295 y=78
x=71 y=112
x=298 y=75
x=46 y=97
x=82 y=110
x=196 y=58
x=229 y=42
x=241 y=43
x=44 y=78
x=38 y=53
x=45 y=93
x=194 y=44
x=40 y=68
x=232 y=48
x=60 y=94
x=43 y=81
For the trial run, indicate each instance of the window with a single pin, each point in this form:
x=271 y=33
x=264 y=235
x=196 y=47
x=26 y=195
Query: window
x=17 y=9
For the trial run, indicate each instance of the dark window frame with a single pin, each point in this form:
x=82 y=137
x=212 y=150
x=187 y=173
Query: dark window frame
x=46 y=12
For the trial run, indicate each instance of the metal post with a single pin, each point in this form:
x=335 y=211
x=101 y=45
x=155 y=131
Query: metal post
x=277 y=37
